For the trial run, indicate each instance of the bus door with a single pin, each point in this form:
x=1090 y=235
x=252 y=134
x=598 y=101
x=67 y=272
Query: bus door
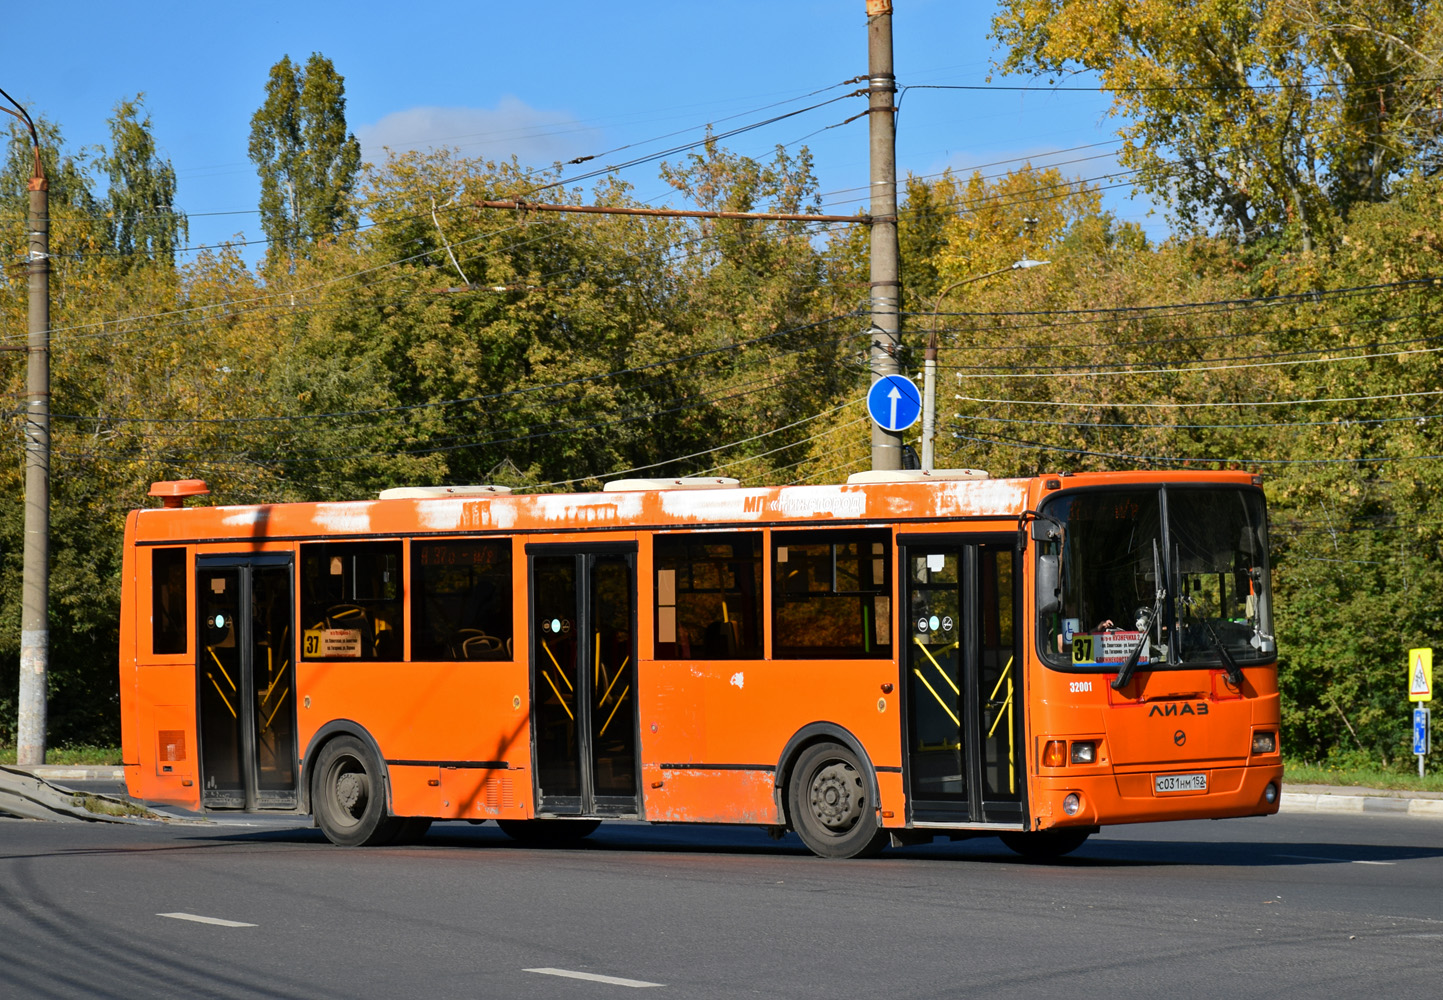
x=246 y=682
x=962 y=664
x=583 y=679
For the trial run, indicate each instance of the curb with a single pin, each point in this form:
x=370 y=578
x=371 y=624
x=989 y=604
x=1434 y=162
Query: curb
x=1373 y=805
x=80 y=772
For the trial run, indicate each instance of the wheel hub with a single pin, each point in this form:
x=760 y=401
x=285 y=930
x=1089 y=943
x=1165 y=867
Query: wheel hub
x=351 y=792
x=836 y=797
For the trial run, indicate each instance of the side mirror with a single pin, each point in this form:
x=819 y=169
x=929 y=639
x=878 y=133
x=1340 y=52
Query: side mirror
x=1049 y=585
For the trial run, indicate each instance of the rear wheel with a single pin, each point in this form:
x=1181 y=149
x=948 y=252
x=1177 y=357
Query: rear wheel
x=348 y=796
x=829 y=804
x=548 y=832
x=1046 y=844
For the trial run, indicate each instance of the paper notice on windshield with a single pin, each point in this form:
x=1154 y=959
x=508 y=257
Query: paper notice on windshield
x=1107 y=647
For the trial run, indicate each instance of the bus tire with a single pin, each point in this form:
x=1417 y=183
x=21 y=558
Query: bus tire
x=548 y=832
x=1046 y=844
x=828 y=804
x=348 y=795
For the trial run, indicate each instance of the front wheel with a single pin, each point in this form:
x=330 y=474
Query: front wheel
x=1047 y=844
x=830 y=805
x=348 y=796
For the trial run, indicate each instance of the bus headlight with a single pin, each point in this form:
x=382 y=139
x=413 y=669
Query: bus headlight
x=1072 y=803
x=1085 y=751
x=1265 y=742
x=1270 y=794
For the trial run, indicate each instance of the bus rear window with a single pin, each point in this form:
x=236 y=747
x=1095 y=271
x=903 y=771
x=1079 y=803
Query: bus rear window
x=461 y=600
x=168 y=614
x=351 y=601
x=709 y=596
x=831 y=595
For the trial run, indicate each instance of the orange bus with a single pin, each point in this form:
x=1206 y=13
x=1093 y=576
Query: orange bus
x=893 y=659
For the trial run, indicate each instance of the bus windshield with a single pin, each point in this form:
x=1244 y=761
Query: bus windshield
x=1177 y=575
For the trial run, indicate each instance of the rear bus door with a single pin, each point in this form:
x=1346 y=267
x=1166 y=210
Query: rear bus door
x=962 y=677
x=583 y=678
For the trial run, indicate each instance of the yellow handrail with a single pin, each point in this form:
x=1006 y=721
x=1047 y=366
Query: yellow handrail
x=956 y=721
x=928 y=653
x=218 y=691
x=558 y=694
x=620 y=700
x=558 y=666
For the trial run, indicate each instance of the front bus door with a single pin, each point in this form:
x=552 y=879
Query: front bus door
x=583 y=679
x=246 y=682
x=963 y=680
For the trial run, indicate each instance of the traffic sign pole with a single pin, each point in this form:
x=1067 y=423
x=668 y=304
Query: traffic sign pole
x=1420 y=691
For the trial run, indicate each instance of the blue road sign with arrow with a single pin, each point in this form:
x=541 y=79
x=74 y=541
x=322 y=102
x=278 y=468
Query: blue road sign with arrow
x=894 y=402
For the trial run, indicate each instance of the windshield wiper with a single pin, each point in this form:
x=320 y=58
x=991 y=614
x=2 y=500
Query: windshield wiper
x=1130 y=666
x=1230 y=665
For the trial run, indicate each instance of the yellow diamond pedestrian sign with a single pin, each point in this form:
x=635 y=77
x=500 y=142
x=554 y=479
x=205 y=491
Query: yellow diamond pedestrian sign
x=1420 y=675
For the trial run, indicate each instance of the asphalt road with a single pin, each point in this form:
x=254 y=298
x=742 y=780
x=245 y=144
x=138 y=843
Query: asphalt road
x=1289 y=906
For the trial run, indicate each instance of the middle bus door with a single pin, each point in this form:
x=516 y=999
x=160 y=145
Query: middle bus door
x=583 y=679
x=962 y=679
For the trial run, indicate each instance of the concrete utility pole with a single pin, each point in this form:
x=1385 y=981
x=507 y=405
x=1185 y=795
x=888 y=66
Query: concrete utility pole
x=885 y=282
x=35 y=600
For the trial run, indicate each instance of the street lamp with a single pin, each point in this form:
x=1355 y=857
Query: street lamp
x=929 y=366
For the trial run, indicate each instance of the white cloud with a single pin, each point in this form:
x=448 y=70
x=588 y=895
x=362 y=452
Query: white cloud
x=513 y=127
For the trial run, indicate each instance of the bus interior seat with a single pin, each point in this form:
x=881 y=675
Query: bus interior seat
x=475 y=644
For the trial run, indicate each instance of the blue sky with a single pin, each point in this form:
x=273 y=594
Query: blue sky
x=544 y=82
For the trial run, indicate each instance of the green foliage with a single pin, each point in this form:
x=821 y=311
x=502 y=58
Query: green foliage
x=1264 y=114
x=306 y=160
x=143 y=222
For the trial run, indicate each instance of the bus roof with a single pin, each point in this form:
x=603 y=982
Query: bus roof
x=635 y=509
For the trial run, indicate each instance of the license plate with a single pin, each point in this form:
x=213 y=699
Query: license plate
x=1180 y=783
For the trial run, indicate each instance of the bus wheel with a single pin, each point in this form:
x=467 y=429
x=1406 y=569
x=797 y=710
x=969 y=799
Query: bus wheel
x=548 y=832
x=347 y=796
x=829 y=804
x=1046 y=844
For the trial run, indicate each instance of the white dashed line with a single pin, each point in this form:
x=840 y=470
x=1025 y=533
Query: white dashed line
x=1336 y=861
x=592 y=977
x=195 y=918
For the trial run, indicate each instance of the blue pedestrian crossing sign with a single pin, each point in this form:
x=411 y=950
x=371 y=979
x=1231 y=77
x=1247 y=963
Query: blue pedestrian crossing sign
x=894 y=402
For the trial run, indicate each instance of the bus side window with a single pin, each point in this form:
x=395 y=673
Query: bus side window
x=169 y=607
x=461 y=599
x=351 y=601
x=832 y=594
x=708 y=596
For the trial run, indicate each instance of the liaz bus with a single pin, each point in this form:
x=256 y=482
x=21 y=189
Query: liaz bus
x=901 y=657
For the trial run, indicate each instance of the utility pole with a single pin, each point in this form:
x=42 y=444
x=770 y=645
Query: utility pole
x=35 y=587
x=886 y=282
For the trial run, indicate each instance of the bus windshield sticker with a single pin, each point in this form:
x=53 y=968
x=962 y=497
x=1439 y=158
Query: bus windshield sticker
x=1107 y=647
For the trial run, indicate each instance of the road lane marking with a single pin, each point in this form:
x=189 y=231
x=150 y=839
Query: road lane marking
x=1336 y=861
x=195 y=918
x=593 y=977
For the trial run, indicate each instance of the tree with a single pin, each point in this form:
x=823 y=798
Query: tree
x=306 y=159
x=1262 y=114
x=143 y=220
